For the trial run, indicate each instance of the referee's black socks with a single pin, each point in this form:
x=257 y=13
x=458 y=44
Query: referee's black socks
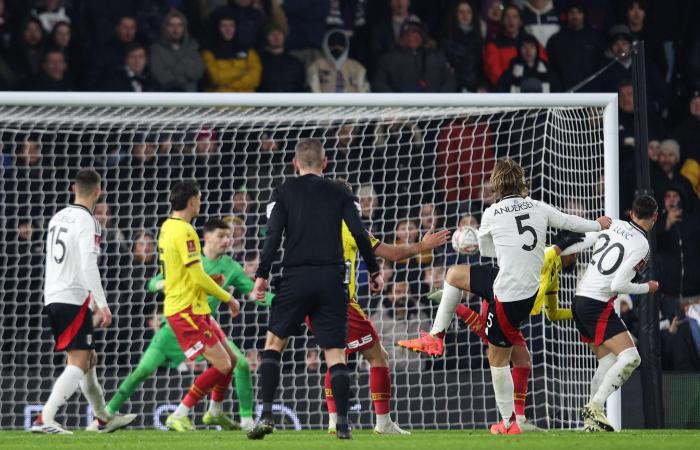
x=270 y=379
x=340 y=384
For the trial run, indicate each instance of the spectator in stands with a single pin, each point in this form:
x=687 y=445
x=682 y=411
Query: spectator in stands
x=688 y=132
x=398 y=319
x=54 y=74
x=637 y=21
x=413 y=67
x=627 y=314
x=238 y=238
x=347 y=15
x=428 y=216
x=541 y=19
x=678 y=251
x=682 y=349
x=307 y=23
x=242 y=206
x=499 y=51
x=527 y=71
x=313 y=360
x=621 y=50
x=369 y=209
x=281 y=72
x=8 y=24
x=26 y=56
x=249 y=21
x=230 y=66
x=8 y=79
x=335 y=71
x=134 y=75
x=461 y=40
x=144 y=249
x=51 y=13
x=572 y=67
x=150 y=15
x=62 y=39
x=385 y=34
x=113 y=242
x=109 y=58
x=491 y=16
x=434 y=276
x=175 y=61
x=251 y=260
x=669 y=175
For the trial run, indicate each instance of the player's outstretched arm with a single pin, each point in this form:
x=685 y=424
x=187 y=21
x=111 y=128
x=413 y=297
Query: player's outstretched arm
x=431 y=240
x=558 y=219
x=204 y=281
x=622 y=282
x=588 y=241
x=552 y=310
x=235 y=276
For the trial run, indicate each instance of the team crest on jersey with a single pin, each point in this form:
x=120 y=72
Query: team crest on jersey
x=191 y=247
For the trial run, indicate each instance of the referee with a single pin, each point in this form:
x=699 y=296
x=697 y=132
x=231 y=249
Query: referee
x=310 y=209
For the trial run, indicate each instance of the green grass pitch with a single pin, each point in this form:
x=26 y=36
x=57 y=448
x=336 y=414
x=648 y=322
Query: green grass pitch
x=290 y=440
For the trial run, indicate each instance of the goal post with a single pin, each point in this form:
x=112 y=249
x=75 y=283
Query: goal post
x=409 y=157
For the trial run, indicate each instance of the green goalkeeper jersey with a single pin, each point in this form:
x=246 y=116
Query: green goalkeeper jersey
x=233 y=273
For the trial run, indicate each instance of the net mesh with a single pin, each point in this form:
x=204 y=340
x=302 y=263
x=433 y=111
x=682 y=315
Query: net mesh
x=411 y=168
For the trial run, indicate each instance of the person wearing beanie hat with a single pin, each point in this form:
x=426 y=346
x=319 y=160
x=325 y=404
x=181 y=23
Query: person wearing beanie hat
x=335 y=71
x=413 y=67
x=669 y=175
x=281 y=72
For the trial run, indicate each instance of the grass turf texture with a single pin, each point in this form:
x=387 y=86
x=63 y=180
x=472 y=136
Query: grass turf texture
x=290 y=440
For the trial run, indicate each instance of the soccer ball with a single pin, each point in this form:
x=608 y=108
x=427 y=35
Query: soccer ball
x=465 y=241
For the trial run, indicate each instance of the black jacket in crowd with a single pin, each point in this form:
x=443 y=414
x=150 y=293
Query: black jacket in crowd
x=572 y=67
x=281 y=73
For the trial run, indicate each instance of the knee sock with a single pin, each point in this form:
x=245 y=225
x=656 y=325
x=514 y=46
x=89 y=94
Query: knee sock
x=218 y=395
x=604 y=364
x=202 y=385
x=471 y=318
x=330 y=401
x=450 y=299
x=95 y=395
x=520 y=379
x=380 y=388
x=340 y=384
x=269 y=380
x=503 y=389
x=244 y=388
x=627 y=361
x=65 y=386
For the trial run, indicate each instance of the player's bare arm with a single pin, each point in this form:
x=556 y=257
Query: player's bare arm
x=432 y=239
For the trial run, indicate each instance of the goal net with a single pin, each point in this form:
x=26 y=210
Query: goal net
x=411 y=167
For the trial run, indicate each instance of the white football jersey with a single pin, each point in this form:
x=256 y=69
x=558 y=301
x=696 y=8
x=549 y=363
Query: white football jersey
x=514 y=230
x=618 y=254
x=72 y=246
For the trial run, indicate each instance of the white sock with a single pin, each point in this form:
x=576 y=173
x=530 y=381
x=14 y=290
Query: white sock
x=216 y=408
x=627 y=361
x=181 y=410
x=95 y=395
x=604 y=364
x=65 y=386
x=520 y=419
x=383 y=420
x=332 y=420
x=451 y=296
x=503 y=388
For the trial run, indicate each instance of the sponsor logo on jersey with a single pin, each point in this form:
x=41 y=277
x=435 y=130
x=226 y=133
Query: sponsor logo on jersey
x=360 y=342
x=190 y=352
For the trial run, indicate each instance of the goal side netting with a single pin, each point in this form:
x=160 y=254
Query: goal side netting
x=411 y=167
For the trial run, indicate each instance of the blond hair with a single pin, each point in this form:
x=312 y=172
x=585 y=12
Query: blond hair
x=508 y=178
x=309 y=153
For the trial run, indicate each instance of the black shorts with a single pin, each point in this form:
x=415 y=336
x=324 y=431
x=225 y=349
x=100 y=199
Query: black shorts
x=596 y=321
x=481 y=279
x=315 y=291
x=71 y=326
x=504 y=319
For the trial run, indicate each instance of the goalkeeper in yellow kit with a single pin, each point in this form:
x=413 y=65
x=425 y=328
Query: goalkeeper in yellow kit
x=478 y=279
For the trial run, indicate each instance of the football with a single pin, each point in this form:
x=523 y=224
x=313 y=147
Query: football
x=465 y=241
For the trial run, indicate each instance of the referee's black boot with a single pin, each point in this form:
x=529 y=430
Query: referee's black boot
x=343 y=433
x=261 y=429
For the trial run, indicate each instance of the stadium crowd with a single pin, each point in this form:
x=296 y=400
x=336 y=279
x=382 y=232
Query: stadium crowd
x=347 y=46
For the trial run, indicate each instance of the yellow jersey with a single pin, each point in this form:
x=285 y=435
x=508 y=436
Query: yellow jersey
x=350 y=256
x=548 y=294
x=179 y=248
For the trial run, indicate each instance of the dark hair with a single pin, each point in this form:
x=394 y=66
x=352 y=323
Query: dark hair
x=181 y=194
x=644 y=206
x=133 y=46
x=216 y=224
x=86 y=181
x=251 y=256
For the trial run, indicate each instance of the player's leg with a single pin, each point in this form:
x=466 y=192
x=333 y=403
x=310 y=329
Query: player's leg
x=215 y=415
x=244 y=387
x=380 y=388
x=522 y=367
x=269 y=380
x=153 y=357
x=340 y=385
x=627 y=360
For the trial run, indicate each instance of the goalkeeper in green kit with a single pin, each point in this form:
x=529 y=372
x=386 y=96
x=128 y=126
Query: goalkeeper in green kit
x=164 y=350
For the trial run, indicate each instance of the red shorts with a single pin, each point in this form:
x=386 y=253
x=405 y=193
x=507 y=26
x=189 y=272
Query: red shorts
x=361 y=332
x=195 y=332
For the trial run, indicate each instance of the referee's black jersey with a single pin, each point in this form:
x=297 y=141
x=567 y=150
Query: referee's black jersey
x=310 y=209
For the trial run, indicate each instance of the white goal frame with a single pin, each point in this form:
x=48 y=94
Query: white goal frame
x=600 y=100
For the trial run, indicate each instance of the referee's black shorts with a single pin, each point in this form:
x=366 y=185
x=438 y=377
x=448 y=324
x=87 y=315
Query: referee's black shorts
x=318 y=292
